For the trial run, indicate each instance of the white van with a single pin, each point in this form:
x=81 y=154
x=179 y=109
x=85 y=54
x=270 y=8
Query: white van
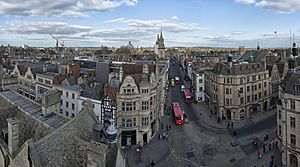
x=182 y=88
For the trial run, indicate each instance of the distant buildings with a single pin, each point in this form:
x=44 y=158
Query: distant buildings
x=159 y=47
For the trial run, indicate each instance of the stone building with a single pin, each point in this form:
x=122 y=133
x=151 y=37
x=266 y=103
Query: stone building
x=236 y=90
x=79 y=142
x=159 y=47
x=288 y=113
x=138 y=112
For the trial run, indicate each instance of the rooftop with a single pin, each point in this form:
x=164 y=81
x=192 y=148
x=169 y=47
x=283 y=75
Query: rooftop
x=33 y=110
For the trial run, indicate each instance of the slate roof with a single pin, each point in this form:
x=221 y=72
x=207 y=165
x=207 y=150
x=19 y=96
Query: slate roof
x=289 y=81
x=238 y=68
x=96 y=92
x=67 y=146
x=257 y=55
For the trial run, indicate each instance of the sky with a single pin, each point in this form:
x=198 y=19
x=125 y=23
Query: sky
x=185 y=23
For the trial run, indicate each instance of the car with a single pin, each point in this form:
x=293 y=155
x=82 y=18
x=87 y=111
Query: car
x=182 y=88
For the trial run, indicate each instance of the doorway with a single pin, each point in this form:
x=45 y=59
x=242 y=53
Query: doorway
x=228 y=114
x=145 y=138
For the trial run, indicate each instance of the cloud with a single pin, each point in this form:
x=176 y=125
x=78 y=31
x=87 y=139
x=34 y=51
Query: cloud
x=166 y=25
x=174 y=18
x=59 y=8
x=114 y=20
x=246 y=1
x=281 y=6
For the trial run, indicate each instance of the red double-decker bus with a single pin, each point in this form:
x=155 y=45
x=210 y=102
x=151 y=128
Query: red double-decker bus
x=187 y=96
x=178 y=113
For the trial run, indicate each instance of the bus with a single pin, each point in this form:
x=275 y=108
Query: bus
x=178 y=113
x=177 y=80
x=187 y=96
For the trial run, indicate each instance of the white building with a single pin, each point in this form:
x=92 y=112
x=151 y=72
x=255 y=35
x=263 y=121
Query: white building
x=198 y=84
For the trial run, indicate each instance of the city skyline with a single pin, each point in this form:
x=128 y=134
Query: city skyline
x=113 y=23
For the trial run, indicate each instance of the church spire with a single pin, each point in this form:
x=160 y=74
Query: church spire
x=258 y=47
x=161 y=35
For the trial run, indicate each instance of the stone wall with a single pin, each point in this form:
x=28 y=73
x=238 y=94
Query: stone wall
x=50 y=101
x=21 y=160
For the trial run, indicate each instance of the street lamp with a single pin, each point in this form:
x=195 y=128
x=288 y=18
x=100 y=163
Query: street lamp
x=286 y=154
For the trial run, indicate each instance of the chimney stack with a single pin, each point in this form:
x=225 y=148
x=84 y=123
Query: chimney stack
x=13 y=135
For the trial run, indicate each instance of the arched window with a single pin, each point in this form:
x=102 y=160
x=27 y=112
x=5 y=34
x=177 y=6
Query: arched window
x=293 y=161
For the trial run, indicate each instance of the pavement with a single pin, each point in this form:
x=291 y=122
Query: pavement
x=156 y=150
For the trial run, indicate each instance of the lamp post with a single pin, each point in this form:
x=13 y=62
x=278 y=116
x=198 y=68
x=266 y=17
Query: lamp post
x=286 y=154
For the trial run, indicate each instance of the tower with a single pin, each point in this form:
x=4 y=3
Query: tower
x=258 y=47
x=161 y=47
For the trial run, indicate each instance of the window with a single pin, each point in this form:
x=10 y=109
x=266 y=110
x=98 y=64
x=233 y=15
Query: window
x=123 y=122
x=200 y=81
x=145 y=121
x=293 y=139
x=47 y=82
x=292 y=104
x=241 y=90
x=73 y=96
x=254 y=78
x=255 y=97
x=67 y=113
x=279 y=130
x=265 y=93
x=40 y=80
x=248 y=98
x=259 y=85
x=151 y=116
x=255 y=87
x=145 y=90
x=200 y=89
x=293 y=122
x=67 y=104
x=228 y=80
x=248 y=79
x=279 y=114
x=259 y=77
x=242 y=100
x=227 y=91
x=293 y=160
x=241 y=80
x=129 y=123
x=127 y=106
x=29 y=77
x=248 y=88
x=145 y=105
x=265 y=84
x=67 y=94
x=259 y=95
x=73 y=115
x=227 y=102
x=297 y=88
x=73 y=106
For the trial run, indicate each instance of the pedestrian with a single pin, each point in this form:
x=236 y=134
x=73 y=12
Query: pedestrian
x=253 y=143
x=164 y=135
x=264 y=148
x=167 y=136
x=228 y=125
x=231 y=125
x=276 y=144
x=152 y=163
x=159 y=136
x=167 y=127
x=270 y=147
x=258 y=154
x=170 y=127
x=162 y=126
x=273 y=144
